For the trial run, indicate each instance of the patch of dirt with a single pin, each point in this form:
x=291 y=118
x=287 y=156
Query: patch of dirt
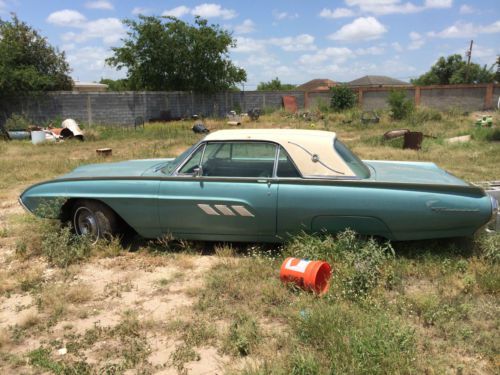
x=157 y=295
x=210 y=362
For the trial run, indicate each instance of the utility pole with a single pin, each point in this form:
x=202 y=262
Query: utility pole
x=469 y=52
x=469 y=55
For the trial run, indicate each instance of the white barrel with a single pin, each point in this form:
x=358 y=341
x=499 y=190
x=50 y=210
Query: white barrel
x=37 y=137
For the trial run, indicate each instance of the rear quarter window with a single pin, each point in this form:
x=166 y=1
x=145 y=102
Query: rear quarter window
x=357 y=166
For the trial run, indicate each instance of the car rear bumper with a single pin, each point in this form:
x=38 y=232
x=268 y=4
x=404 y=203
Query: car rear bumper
x=494 y=223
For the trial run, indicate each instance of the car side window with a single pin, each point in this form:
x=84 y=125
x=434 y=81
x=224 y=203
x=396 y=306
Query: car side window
x=192 y=163
x=239 y=159
x=286 y=168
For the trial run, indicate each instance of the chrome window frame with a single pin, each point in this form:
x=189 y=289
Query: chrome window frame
x=204 y=145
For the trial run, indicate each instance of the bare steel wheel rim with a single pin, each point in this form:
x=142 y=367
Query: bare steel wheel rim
x=85 y=223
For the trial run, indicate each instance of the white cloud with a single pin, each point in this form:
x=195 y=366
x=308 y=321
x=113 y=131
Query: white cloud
x=246 y=27
x=210 y=10
x=336 y=13
x=336 y=54
x=466 y=30
x=68 y=47
x=109 y=30
x=280 y=16
x=302 y=42
x=381 y=7
x=177 y=12
x=66 y=17
x=261 y=60
x=90 y=64
x=484 y=55
x=362 y=28
x=438 y=3
x=140 y=10
x=417 y=41
x=99 y=4
x=375 y=50
x=466 y=9
x=248 y=45
x=397 y=47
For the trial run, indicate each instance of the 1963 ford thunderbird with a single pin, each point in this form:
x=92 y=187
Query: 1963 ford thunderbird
x=263 y=186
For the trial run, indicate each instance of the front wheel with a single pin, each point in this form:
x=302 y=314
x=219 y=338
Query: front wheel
x=93 y=219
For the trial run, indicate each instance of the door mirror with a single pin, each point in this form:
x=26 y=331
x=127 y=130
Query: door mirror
x=198 y=172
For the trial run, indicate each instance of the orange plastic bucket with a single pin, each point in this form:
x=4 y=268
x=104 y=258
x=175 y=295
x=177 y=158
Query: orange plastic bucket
x=311 y=275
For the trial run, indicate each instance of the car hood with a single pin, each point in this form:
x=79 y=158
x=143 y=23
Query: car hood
x=129 y=168
x=411 y=172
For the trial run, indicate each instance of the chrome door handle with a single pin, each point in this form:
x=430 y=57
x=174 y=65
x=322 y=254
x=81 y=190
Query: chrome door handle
x=265 y=181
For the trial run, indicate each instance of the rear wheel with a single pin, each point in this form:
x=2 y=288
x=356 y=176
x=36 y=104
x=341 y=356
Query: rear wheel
x=94 y=219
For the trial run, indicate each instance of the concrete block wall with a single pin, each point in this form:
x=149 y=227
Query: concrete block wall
x=467 y=99
x=122 y=108
x=377 y=99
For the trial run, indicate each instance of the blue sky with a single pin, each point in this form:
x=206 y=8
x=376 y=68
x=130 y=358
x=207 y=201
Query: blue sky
x=293 y=40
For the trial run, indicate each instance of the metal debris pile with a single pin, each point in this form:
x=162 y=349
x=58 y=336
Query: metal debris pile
x=69 y=130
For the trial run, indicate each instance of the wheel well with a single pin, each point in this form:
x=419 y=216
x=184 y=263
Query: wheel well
x=68 y=207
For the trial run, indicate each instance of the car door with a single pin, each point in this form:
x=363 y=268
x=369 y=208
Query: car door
x=224 y=188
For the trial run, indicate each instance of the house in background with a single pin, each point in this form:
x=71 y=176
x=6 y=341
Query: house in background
x=319 y=84
x=89 y=87
x=377 y=81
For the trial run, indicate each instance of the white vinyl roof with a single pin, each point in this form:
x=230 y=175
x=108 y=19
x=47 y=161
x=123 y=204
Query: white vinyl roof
x=311 y=150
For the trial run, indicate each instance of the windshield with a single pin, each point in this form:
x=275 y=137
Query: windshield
x=170 y=167
x=356 y=165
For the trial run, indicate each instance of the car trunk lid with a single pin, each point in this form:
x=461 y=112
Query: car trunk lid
x=412 y=173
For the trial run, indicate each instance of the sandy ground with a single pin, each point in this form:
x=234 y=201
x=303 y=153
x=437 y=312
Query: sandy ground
x=158 y=290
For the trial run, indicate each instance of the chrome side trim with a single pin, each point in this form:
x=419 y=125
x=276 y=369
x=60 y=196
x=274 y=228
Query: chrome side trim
x=23 y=205
x=242 y=211
x=494 y=222
x=208 y=209
x=225 y=210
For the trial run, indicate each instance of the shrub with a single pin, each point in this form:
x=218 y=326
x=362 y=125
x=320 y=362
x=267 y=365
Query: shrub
x=489 y=247
x=342 y=98
x=358 y=260
x=493 y=135
x=422 y=115
x=17 y=122
x=62 y=247
x=401 y=106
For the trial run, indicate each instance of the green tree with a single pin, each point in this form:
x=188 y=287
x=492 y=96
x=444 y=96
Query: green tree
x=454 y=70
x=342 y=98
x=28 y=63
x=164 y=53
x=275 y=85
x=116 y=85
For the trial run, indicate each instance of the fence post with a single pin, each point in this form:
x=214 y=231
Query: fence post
x=488 y=98
x=89 y=111
x=417 y=96
x=360 y=97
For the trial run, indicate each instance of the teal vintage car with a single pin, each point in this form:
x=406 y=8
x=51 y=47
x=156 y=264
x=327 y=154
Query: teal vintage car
x=263 y=185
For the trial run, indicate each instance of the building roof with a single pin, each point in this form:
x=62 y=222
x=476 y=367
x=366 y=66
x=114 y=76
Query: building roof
x=311 y=150
x=377 y=81
x=319 y=84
